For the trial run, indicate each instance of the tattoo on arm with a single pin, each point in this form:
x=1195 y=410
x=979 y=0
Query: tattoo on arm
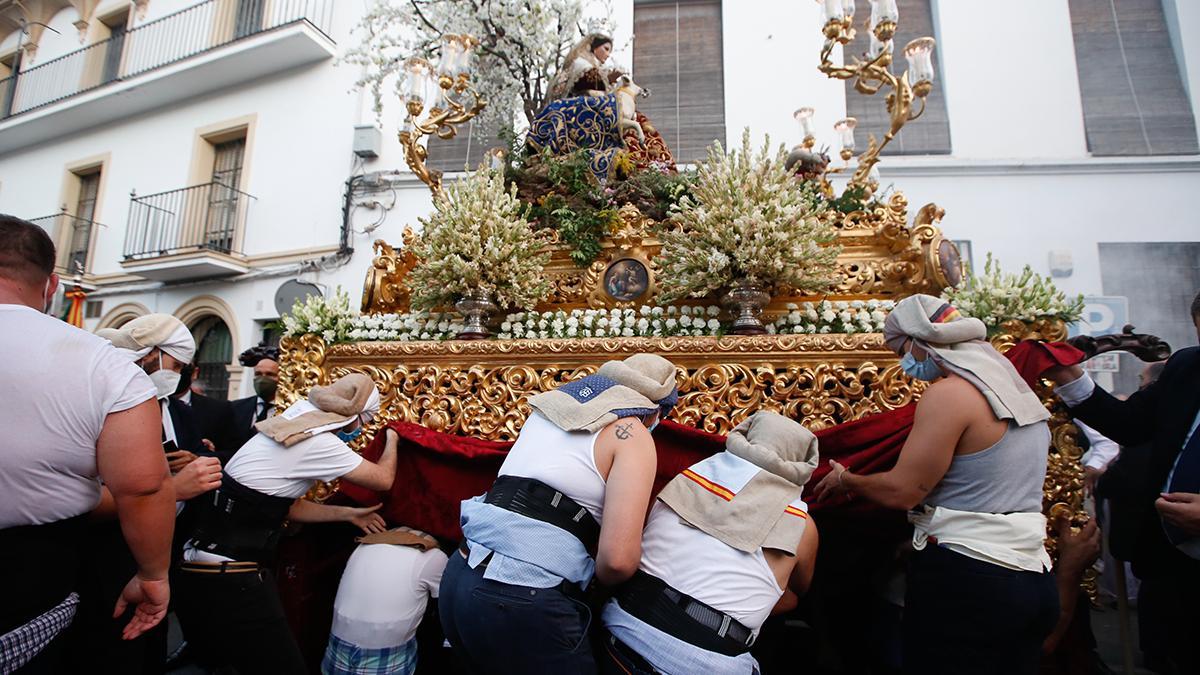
x=623 y=431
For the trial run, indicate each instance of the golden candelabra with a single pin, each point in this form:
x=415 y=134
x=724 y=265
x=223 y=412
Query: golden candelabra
x=872 y=73
x=454 y=102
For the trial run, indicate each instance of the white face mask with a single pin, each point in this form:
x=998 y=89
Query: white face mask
x=47 y=298
x=165 y=381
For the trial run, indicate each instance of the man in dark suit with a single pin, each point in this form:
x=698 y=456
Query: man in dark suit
x=264 y=359
x=1165 y=415
x=210 y=419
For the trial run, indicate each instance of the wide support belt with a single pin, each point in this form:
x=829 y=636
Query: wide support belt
x=533 y=498
x=652 y=600
x=240 y=523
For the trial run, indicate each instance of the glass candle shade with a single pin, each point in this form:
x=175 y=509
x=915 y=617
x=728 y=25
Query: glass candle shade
x=845 y=132
x=919 y=54
x=452 y=51
x=416 y=79
x=804 y=118
x=834 y=10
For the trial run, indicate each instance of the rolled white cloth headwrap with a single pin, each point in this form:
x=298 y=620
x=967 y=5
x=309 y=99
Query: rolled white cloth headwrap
x=141 y=335
x=958 y=345
x=327 y=409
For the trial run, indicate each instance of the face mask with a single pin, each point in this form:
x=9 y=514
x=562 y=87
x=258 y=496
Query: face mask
x=265 y=387
x=348 y=436
x=47 y=299
x=165 y=381
x=922 y=370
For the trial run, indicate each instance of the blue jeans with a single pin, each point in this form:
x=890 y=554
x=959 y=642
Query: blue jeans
x=963 y=616
x=504 y=628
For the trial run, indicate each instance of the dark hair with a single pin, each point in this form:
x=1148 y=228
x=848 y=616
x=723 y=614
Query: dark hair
x=599 y=41
x=1196 y=308
x=252 y=356
x=26 y=251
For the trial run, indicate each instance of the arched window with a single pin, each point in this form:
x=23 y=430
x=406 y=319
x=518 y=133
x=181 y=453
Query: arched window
x=214 y=351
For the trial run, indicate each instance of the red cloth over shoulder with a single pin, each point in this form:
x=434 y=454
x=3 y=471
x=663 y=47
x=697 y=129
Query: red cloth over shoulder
x=1031 y=358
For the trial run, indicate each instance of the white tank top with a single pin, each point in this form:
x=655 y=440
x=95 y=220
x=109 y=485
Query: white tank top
x=737 y=583
x=564 y=460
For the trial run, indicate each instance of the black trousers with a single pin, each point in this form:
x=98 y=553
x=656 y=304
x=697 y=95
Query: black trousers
x=39 y=567
x=966 y=617
x=236 y=619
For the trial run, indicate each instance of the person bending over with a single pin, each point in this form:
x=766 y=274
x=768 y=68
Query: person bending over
x=569 y=504
x=724 y=541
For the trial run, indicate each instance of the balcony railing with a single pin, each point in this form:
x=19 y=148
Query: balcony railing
x=81 y=229
x=154 y=44
x=198 y=218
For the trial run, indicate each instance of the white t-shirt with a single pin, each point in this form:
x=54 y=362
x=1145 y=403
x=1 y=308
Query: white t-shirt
x=277 y=470
x=57 y=385
x=274 y=469
x=383 y=594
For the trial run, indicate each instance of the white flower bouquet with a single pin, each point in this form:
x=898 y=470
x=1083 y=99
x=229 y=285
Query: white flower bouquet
x=996 y=297
x=748 y=219
x=478 y=239
x=856 y=316
x=330 y=318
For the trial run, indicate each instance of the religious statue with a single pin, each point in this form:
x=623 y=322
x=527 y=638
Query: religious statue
x=593 y=108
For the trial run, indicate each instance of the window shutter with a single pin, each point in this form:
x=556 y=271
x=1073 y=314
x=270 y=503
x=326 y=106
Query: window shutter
x=929 y=134
x=466 y=149
x=677 y=54
x=1134 y=102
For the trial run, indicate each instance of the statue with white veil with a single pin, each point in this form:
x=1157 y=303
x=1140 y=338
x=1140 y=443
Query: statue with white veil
x=592 y=109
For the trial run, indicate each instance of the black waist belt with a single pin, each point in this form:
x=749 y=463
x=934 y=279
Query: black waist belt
x=533 y=498
x=240 y=523
x=652 y=600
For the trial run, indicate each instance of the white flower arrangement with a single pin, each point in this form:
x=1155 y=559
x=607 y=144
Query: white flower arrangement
x=857 y=316
x=478 y=239
x=645 y=321
x=748 y=219
x=996 y=297
x=330 y=318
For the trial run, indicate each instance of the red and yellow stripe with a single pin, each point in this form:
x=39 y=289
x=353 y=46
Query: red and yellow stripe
x=718 y=490
x=945 y=314
x=795 y=512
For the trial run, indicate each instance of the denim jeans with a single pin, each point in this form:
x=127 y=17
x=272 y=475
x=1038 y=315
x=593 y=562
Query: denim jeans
x=504 y=628
x=968 y=617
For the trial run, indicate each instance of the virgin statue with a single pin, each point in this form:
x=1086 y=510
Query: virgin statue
x=592 y=108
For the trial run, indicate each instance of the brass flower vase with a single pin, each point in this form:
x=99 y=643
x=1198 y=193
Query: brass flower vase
x=745 y=301
x=477 y=309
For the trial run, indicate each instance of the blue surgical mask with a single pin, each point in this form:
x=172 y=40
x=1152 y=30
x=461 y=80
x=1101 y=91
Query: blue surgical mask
x=926 y=370
x=348 y=436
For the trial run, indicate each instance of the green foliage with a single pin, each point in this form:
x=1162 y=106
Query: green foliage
x=565 y=196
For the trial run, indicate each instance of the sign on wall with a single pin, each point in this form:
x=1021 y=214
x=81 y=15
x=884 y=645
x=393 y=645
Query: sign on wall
x=1102 y=315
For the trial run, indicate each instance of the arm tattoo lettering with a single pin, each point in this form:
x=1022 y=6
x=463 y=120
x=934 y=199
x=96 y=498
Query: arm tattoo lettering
x=623 y=431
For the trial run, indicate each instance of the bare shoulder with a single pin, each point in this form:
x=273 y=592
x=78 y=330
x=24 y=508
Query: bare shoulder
x=627 y=430
x=951 y=388
x=952 y=395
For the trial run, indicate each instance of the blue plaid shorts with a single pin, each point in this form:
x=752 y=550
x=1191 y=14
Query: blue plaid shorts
x=345 y=658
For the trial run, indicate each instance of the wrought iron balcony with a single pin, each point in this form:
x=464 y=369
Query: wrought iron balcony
x=208 y=46
x=187 y=233
x=81 y=231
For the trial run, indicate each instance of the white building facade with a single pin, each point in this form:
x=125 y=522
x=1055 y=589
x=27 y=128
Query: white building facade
x=190 y=157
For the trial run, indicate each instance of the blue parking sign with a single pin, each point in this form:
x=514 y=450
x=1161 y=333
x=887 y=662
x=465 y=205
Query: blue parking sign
x=1102 y=315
